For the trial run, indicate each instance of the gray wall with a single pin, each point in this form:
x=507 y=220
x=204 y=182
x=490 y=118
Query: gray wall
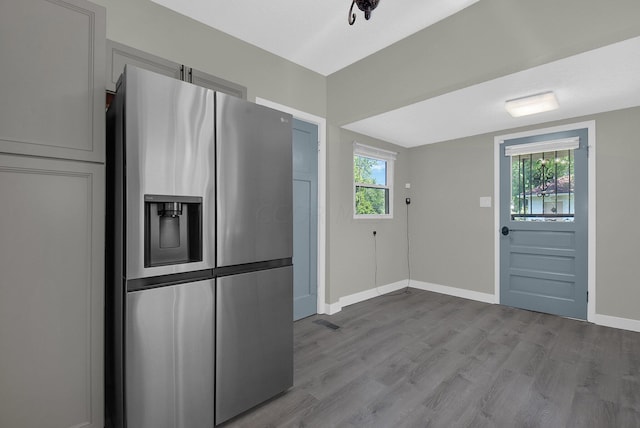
x=489 y=39
x=149 y=27
x=351 y=256
x=618 y=205
x=452 y=238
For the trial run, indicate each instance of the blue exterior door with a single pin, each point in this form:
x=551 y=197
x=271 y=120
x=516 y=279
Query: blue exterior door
x=305 y=219
x=543 y=221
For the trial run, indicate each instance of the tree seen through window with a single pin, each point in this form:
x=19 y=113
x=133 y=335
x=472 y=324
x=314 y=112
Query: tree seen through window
x=543 y=186
x=371 y=192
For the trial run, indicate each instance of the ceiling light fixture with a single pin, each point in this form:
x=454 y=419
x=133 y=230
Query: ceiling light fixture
x=364 y=5
x=532 y=104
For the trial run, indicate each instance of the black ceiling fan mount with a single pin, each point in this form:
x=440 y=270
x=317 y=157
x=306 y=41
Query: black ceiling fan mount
x=364 y=5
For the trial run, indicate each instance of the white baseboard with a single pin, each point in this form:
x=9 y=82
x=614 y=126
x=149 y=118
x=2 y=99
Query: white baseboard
x=616 y=322
x=453 y=291
x=333 y=308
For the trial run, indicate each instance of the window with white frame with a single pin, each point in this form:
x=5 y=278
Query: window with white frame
x=372 y=182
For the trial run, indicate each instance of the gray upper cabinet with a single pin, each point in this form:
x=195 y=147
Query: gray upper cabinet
x=52 y=81
x=118 y=55
x=208 y=81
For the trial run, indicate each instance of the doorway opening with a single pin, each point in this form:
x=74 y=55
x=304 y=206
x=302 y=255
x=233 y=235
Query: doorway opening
x=320 y=122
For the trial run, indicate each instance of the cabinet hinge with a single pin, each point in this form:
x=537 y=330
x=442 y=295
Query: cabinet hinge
x=587 y=296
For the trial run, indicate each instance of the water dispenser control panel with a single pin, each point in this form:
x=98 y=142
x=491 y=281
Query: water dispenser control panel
x=173 y=230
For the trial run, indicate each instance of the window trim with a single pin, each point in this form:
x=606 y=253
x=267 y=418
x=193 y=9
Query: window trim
x=379 y=154
x=572 y=143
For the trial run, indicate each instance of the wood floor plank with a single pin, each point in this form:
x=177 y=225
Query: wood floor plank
x=556 y=380
x=588 y=411
x=591 y=378
x=395 y=368
x=290 y=405
x=466 y=341
x=628 y=417
x=526 y=358
x=570 y=342
x=505 y=396
x=538 y=411
x=630 y=364
x=422 y=359
x=630 y=393
x=444 y=401
x=389 y=408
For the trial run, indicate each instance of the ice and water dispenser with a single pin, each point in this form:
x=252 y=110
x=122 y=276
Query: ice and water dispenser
x=173 y=230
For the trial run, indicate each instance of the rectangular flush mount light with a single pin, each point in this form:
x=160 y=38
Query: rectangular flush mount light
x=532 y=104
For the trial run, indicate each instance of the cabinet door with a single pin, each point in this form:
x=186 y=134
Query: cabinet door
x=118 y=55
x=217 y=84
x=52 y=82
x=51 y=293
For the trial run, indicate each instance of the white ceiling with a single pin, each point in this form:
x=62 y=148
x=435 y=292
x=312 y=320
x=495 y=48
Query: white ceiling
x=316 y=35
x=600 y=80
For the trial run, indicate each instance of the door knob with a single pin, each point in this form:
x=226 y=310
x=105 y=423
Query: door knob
x=505 y=230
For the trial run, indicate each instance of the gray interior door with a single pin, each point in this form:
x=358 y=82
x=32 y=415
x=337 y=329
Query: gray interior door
x=543 y=219
x=305 y=219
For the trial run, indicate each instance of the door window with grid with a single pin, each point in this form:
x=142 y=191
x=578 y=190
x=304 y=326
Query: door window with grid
x=543 y=181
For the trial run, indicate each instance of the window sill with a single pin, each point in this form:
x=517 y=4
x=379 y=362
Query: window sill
x=372 y=216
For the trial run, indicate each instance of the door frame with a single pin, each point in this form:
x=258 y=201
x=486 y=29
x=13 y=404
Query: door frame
x=321 y=122
x=591 y=228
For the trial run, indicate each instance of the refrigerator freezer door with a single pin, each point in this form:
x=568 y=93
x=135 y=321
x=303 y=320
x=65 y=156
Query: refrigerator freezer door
x=169 y=151
x=169 y=356
x=254 y=182
x=254 y=339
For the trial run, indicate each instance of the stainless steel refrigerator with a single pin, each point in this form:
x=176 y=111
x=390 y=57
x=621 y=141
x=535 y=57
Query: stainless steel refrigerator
x=199 y=283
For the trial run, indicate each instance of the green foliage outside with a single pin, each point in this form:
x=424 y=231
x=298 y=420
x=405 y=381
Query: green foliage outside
x=369 y=200
x=537 y=171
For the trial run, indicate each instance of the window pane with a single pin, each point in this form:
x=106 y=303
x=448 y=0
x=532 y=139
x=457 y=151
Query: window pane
x=542 y=186
x=369 y=171
x=370 y=200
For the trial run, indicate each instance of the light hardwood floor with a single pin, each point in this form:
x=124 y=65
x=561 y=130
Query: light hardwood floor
x=423 y=359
